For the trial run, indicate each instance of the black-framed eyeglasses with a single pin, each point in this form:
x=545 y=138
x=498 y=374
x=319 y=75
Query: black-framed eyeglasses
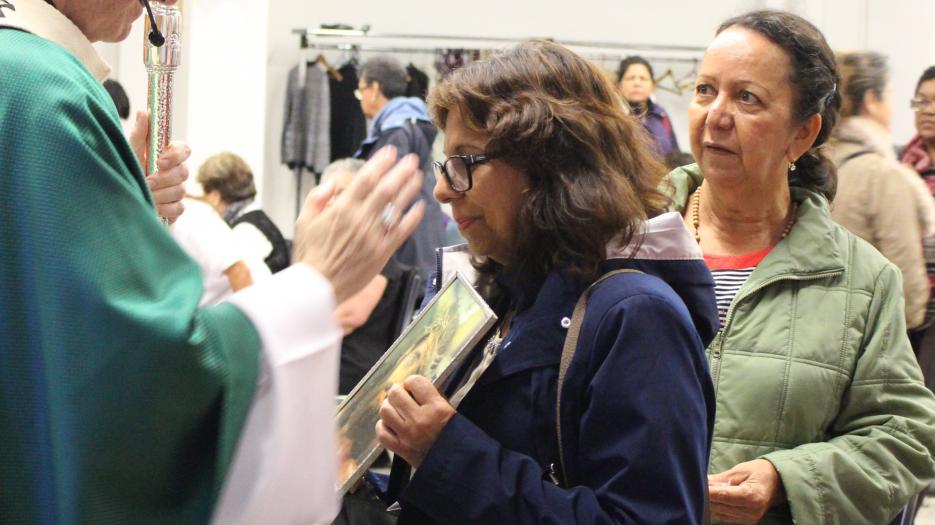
x=921 y=104
x=457 y=170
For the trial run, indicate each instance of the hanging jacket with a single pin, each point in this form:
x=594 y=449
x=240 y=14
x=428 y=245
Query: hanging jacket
x=348 y=124
x=418 y=83
x=814 y=373
x=636 y=401
x=306 y=128
x=884 y=203
x=405 y=123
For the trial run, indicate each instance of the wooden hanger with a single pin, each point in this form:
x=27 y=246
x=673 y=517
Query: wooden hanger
x=332 y=72
x=687 y=81
x=672 y=87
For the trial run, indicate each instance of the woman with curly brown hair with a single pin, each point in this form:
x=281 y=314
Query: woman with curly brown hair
x=553 y=187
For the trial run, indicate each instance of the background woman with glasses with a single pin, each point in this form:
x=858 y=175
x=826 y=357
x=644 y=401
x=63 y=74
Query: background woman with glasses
x=552 y=186
x=918 y=155
x=921 y=149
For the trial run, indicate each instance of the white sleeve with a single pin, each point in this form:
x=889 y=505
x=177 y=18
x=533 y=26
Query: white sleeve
x=285 y=467
x=206 y=238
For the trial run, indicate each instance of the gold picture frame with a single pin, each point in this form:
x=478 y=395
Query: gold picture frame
x=433 y=345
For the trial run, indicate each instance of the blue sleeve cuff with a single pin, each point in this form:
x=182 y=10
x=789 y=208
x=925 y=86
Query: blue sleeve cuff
x=443 y=482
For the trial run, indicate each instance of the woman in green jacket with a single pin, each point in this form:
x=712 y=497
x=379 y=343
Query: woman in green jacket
x=822 y=416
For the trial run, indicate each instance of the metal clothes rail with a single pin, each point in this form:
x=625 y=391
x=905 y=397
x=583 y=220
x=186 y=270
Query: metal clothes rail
x=364 y=40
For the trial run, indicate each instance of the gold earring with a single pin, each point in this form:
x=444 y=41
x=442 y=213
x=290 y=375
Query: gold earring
x=792 y=166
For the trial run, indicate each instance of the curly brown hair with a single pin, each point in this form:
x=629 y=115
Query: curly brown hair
x=557 y=117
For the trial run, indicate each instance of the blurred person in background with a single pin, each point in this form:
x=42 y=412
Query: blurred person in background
x=879 y=199
x=208 y=240
x=920 y=151
x=637 y=84
x=403 y=122
x=227 y=183
x=121 y=101
x=918 y=155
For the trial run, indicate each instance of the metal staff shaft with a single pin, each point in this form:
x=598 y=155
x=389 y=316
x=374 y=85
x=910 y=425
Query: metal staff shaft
x=161 y=63
x=159 y=101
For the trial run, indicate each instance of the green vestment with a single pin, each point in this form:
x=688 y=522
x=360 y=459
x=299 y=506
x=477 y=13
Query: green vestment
x=120 y=400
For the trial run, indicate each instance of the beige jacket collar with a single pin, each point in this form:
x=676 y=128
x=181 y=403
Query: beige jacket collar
x=43 y=20
x=866 y=132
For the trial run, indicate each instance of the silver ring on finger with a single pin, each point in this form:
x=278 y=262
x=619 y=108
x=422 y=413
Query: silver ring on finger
x=388 y=215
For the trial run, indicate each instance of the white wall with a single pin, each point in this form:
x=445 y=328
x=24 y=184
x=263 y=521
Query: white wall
x=904 y=34
x=240 y=53
x=227 y=90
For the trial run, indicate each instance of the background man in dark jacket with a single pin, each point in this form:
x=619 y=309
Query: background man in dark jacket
x=405 y=123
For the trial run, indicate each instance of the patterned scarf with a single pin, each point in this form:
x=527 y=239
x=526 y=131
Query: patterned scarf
x=233 y=209
x=916 y=156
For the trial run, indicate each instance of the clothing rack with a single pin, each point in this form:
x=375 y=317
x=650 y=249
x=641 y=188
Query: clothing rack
x=363 y=40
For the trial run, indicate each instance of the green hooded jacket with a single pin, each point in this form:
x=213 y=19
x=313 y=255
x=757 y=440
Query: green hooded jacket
x=813 y=372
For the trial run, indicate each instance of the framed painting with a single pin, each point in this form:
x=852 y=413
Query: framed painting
x=433 y=345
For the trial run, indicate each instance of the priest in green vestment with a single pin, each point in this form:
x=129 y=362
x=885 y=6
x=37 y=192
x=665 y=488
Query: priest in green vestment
x=121 y=401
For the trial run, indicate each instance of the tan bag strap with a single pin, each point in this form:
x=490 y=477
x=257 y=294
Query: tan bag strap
x=568 y=353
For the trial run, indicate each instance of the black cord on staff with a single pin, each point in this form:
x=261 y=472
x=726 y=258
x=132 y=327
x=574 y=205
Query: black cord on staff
x=155 y=36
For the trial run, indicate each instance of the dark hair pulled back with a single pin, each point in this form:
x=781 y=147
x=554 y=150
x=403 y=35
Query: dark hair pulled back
x=814 y=80
x=630 y=61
